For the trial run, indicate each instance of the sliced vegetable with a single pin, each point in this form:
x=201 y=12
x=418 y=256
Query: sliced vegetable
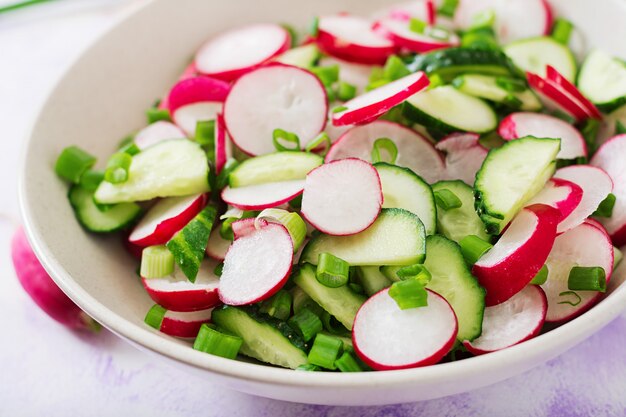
x=262 y=196
x=177 y=324
x=196 y=90
x=490 y=88
x=602 y=78
x=115 y=218
x=279 y=166
x=156 y=262
x=73 y=163
x=464 y=156
x=563 y=195
x=533 y=55
x=157 y=132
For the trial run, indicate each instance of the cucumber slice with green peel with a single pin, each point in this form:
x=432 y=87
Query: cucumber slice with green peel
x=170 y=168
x=457 y=223
x=602 y=79
x=511 y=176
x=340 y=302
x=264 y=338
x=372 y=279
x=486 y=87
x=279 y=166
x=402 y=188
x=302 y=56
x=452 y=279
x=534 y=54
x=447 y=110
x=95 y=220
x=397 y=237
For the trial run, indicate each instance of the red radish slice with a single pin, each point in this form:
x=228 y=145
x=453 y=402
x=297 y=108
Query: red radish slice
x=273 y=97
x=262 y=196
x=611 y=157
x=184 y=324
x=518 y=125
x=596 y=185
x=353 y=39
x=585 y=245
x=238 y=51
x=563 y=195
x=516 y=320
x=244 y=227
x=175 y=292
x=157 y=132
x=431 y=12
x=352 y=73
x=515 y=19
x=223 y=147
x=464 y=156
x=196 y=90
x=186 y=117
x=372 y=104
x=188 y=72
x=414 y=151
x=555 y=97
x=402 y=36
x=217 y=246
x=257 y=265
x=342 y=197
x=553 y=75
x=519 y=254
x=166 y=218
x=386 y=337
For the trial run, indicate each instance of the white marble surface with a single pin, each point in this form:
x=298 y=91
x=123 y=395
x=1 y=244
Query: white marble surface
x=48 y=370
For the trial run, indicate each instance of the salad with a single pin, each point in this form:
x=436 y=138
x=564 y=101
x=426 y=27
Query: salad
x=428 y=183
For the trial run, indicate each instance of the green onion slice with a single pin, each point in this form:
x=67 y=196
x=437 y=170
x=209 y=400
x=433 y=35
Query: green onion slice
x=409 y=294
x=292 y=222
x=447 y=200
x=605 y=209
x=211 y=341
x=307 y=367
x=562 y=30
x=331 y=271
x=339 y=109
x=321 y=139
x=541 y=277
x=154 y=114
x=345 y=91
x=117 y=168
x=382 y=146
x=448 y=8
x=417 y=26
x=73 y=163
x=473 y=248
x=306 y=324
x=91 y=179
x=483 y=19
x=278 y=306
x=347 y=363
x=314 y=29
x=328 y=75
x=156 y=262
x=325 y=351
x=587 y=278
x=577 y=299
x=620 y=129
x=280 y=135
x=394 y=69
x=417 y=272
x=155 y=316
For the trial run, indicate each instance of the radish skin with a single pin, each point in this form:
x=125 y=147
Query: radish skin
x=561 y=194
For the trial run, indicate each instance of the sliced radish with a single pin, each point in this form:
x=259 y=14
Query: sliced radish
x=585 y=245
x=189 y=71
x=519 y=254
x=596 y=185
x=352 y=73
x=353 y=39
x=244 y=227
x=611 y=157
x=184 y=324
x=414 y=151
x=157 y=132
x=372 y=104
x=464 y=156
x=402 y=36
x=217 y=246
x=273 y=97
x=166 y=218
x=519 y=318
x=262 y=196
x=554 y=75
x=342 y=197
x=235 y=52
x=188 y=116
x=223 y=147
x=386 y=337
x=195 y=90
x=175 y=292
x=257 y=265
x=563 y=195
x=556 y=97
x=515 y=19
x=518 y=125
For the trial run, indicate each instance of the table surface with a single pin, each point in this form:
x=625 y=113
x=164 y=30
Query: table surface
x=48 y=370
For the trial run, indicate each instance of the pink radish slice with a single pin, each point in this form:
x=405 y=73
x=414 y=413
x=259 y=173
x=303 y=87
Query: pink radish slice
x=414 y=151
x=195 y=90
x=464 y=156
x=42 y=290
x=272 y=97
x=184 y=324
x=518 y=125
x=387 y=338
x=257 y=265
x=223 y=147
x=353 y=39
x=189 y=71
x=342 y=197
x=563 y=195
x=519 y=254
x=553 y=75
x=175 y=292
x=515 y=19
x=238 y=51
x=157 y=132
x=352 y=73
x=372 y=104
x=186 y=117
x=217 y=246
x=596 y=185
x=516 y=320
x=402 y=36
x=585 y=245
x=166 y=218
x=244 y=227
x=555 y=96
x=262 y=196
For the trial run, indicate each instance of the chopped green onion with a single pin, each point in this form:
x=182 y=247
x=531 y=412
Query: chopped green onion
x=605 y=209
x=73 y=163
x=219 y=268
x=618 y=256
x=117 y=168
x=620 y=129
x=376 y=84
x=590 y=130
x=562 y=30
x=280 y=135
x=345 y=91
x=541 y=277
x=322 y=138
x=387 y=145
x=155 y=316
x=292 y=34
x=130 y=148
x=205 y=134
x=409 y=294
x=339 y=109
x=447 y=200
x=417 y=272
x=473 y=248
x=314 y=29
x=394 y=69
x=325 y=351
x=91 y=179
x=230 y=217
x=21 y=4
x=156 y=262
x=332 y=272
x=435 y=81
x=357 y=288
x=480 y=38
x=572 y=303
x=296 y=203
x=438 y=32
x=331 y=324
x=587 y=278
x=154 y=114
x=222 y=178
x=448 y=8
x=307 y=367
x=511 y=85
x=292 y=222
x=389 y=272
x=347 y=363
x=211 y=341
x=377 y=73
x=306 y=324
x=566 y=117
x=330 y=94
x=327 y=75
x=483 y=19
x=417 y=25
x=278 y=306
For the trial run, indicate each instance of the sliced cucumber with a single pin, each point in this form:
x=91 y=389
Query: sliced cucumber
x=535 y=53
x=340 y=302
x=302 y=56
x=264 y=338
x=457 y=223
x=170 y=168
x=93 y=219
x=402 y=188
x=372 y=279
x=273 y=167
x=397 y=237
x=602 y=79
x=512 y=175
x=447 y=110
x=452 y=279
x=486 y=87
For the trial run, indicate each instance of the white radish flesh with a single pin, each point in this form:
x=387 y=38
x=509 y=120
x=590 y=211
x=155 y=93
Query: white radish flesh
x=563 y=195
x=402 y=36
x=464 y=156
x=188 y=116
x=157 y=132
x=262 y=196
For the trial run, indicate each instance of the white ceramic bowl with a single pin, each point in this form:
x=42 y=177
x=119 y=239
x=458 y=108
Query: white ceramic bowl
x=103 y=97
